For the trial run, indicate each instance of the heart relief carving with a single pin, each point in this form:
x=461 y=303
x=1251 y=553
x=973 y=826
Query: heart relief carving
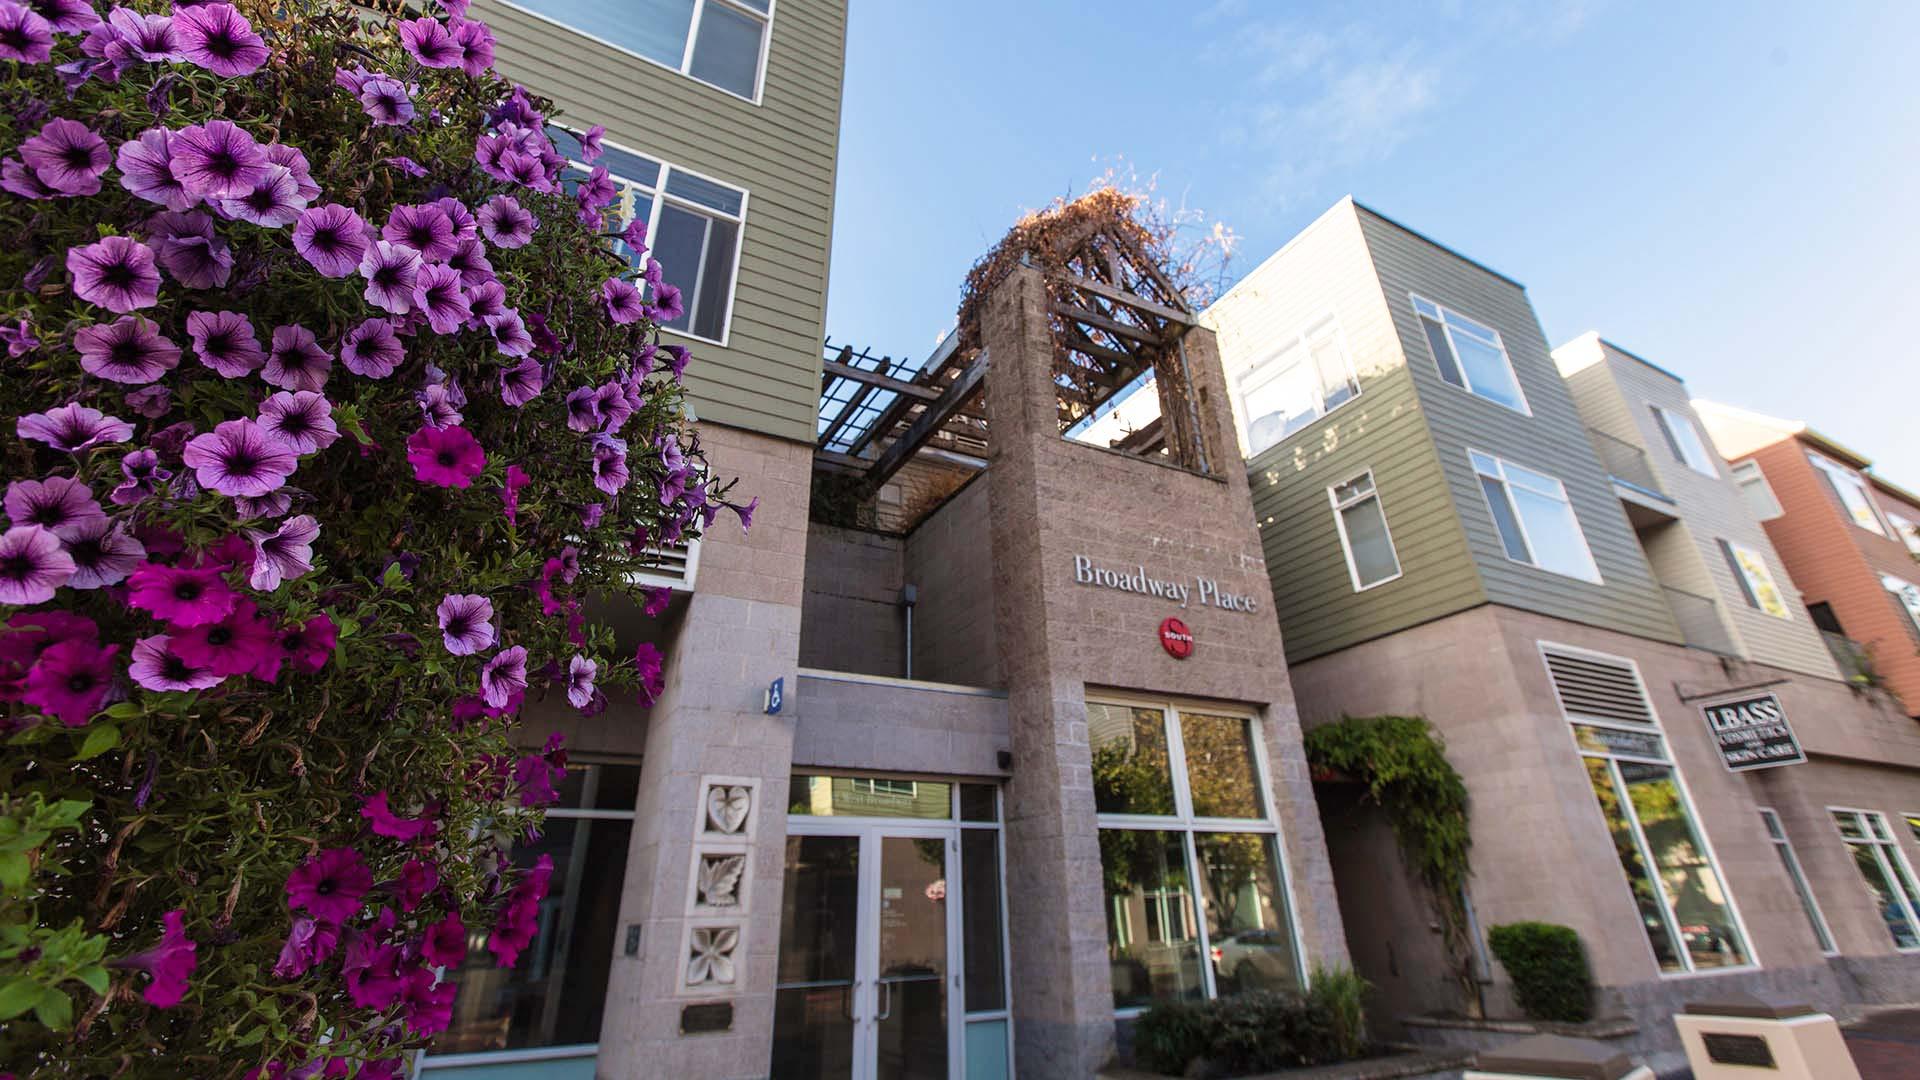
x=727 y=808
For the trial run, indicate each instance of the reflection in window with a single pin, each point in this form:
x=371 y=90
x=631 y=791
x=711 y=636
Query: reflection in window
x=1534 y=517
x=1755 y=489
x=1852 y=492
x=1756 y=581
x=1252 y=944
x=1884 y=872
x=1222 y=773
x=862 y=796
x=1692 y=886
x=1470 y=355
x=1683 y=439
x=1783 y=846
x=1362 y=523
x=725 y=35
x=1151 y=943
x=1308 y=378
x=1131 y=770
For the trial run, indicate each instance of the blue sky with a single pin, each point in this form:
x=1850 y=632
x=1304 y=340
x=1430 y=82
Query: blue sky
x=1726 y=190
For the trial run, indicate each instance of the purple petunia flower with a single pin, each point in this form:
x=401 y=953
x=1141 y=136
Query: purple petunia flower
x=33 y=564
x=295 y=162
x=157 y=667
x=190 y=250
x=391 y=271
x=218 y=38
x=270 y=505
x=232 y=645
x=437 y=405
x=466 y=623
x=590 y=149
x=470 y=259
x=332 y=238
x=24 y=36
x=385 y=100
x=445 y=457
x=273 y=202
x=464 y=225
x=666 y=306
x=510 y=336
x=650 y=665
x=67 y=16
x=474 y=40
x=238 y=458
x=70 y=679
x=146 y=169
x=330 y=885
x=436 y=292
x=73 y=427
x=103 y=554
x=18 y=178
x=116 y=273
x=129 y=37
x=61 y=505
x=142 y=470
x=225 y=341
x=505 y=223
x=423 y=227
x=522 y=382
x=151 y=402
x=485 y=299
x=504 y=675
x=580 y=673
x=169 y=963
x=284 y=554
x=372 y=349
x=406 y=165
x=597 y=190
x=68 y=157
x=302 y=420
x=127 y=350
x=295 y=360
x=610 y=469
x=428 y=41
x=583 y=409
x=19 y=338
x=309 y=942
x=622 y=300
x=217 y=160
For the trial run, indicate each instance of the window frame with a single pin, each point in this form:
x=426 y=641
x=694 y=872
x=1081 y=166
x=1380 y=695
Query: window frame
x=1908 y=902
x=1746 y=474
x=1526 y=536
x=1898 y=589
x=1683 y=436
x=1346 y=542
x=1777 y=834
x=1246 y=385
x=1906 y=530
x=1670 y=915
x=686 y=53
x=1743 y=576
x=1837 y=475
x=1187 y=824
x=1525 y=408
x=658 y=197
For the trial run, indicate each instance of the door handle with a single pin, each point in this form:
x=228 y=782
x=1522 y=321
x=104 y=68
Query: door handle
x=847 y=996
x=886 y=1012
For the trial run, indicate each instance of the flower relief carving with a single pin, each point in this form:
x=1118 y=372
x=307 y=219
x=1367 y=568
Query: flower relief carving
x=719 y=880
x=710 y=955
x=727 y=807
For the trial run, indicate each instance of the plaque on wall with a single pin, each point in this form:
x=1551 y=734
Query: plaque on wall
x=706 y=1018
x=1750 y=1050
x=1752 y=733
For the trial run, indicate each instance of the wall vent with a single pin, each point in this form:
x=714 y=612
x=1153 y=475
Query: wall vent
x=1598 y=688
x=673 y=566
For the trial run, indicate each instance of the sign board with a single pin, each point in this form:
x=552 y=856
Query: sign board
x=1752 y=733
x=776 y=696
x=1197 y=590
x=1176 y=638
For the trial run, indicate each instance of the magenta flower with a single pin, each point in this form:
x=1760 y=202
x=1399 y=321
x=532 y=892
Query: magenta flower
x=372 y=971
x=427 y=41
x=504 y=675
x=32 y=565
x=181 y=595
x=590 y=148
x=73 y=427
x=168 y=964
x=391 y=271
x=67 y=156
x=372 y=349
x=466 y=623
x=309 y=942
x=306 y=646
x=273 y=202
x=157 y=667
x=146 y=170
x=385 y=100
x=666 y=305
x=445 y=944
x=658 y=597
x=510 y=336
x=517 y=478
x=384 y=822
x=24 y=36
x=127 y=350
x=622 y=300
x=330 y=885
x=67 y=16
x=116 y=273
x=103 y=554
x=597 y=190
x=301 y=419
x=238 y=458
x=231 y=646
x=522 y=382
x=424 y=227
x=61 y=505
x=217 y=160
x=428 y=1000
x=436 y=292
x=332 y=238
x=295 y=360
x=648 y=662
x=189 y=248
x=445 y=457
x=225 y=341
x=417 y=878
x=284 y=554
x=475 y=42
x=70 y=680
x=518 y=922
x=580 y=673
x=218 y=38
x=505 y=223
x=128 y=37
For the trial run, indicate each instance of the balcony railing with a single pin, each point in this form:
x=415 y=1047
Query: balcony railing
x=1699 y=621
x=1626 y=463
x=1856 y=665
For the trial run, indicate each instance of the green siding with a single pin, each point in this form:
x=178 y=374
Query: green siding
x=783 y=151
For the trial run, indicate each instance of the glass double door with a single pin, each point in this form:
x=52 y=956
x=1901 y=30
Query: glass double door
x=868 y=945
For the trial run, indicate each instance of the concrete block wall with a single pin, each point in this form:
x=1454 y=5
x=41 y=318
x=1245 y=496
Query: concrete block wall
x=874 y=725
x=949 y=557
x=850 y=617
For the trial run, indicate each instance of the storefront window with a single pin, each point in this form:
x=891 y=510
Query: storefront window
x=859 y=796
x=554 y=996
x=1883 y=869
x=1197 y=901
x=1783 y=845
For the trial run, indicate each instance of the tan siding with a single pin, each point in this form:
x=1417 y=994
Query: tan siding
x=1552 y=440
x=1325 y=271
x=783 y=151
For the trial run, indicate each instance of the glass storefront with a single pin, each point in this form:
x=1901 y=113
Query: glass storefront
x=1884 y=871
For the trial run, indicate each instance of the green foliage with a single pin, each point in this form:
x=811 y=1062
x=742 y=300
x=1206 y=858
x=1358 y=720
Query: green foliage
x=1404 y=765
x=1257 y=1032
x=1344 y=995
x=1172 y=1034
x=1548 y=966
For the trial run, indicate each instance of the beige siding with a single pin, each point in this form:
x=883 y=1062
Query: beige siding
x=1325 y=271
x=1552 y=440
x=783 y=151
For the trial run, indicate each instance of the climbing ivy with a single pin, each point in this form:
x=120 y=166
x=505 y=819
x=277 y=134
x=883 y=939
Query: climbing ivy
x=1404 y=765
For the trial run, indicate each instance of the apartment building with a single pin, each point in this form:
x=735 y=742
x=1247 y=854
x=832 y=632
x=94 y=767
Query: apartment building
x=1559 y=575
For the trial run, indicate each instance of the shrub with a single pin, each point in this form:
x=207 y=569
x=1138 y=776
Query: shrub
x=335 y=406
x=1548 y=966
x=1343 y=993
x=1170 y=1035
x=1256 y=1032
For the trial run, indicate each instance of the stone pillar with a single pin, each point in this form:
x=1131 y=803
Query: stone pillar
x=708 y=731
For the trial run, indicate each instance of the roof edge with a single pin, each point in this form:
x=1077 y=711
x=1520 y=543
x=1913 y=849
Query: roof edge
x=1455 y=252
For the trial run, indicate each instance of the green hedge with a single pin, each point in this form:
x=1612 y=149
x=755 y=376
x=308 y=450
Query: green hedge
x=1256 y=1032
x=1551 y=980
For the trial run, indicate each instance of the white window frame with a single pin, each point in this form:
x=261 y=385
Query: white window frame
x=659 y=196
x=1907 y=530
x=1752 y=481
x=1266 y=370
x=1506 y=483
x=1184 y=822
x=1906 y=594
x=1744 y=561
x=686 y=54
x=1881 y=848
x=1447 y=328
x=911 y=789
x=1840 y=480
x=1683 y=439
x=1346 y=542
x=1783 y=844
x=1670 y=917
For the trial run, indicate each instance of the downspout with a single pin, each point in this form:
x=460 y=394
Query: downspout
x=909 y=595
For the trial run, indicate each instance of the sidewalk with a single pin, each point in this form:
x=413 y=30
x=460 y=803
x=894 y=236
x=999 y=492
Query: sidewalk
x=1887 y=1047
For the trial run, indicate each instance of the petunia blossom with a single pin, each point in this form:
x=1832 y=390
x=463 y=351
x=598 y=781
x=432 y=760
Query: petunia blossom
x=230 y=646
x=217 y=160
x=309 y=941
x=372 y=349
x=474 y=40
x=445 y=943
x=300 y=419
x=391 y=271
x=666 y=306
x=62 y=505
x=73 y=427
x=128 y=350
x=386 y=100
x=295 y=360
x=68 y=156
x=238 y=457
x=330 y=885
x=580 y=673
x=103 y=554
x=505 y=223
x=418 y=878
x=504 y=675
x=517 y=478
x=437 y=294
x=445 y=457
x=622 y=300
x=225 y=341
x=69 y=680
x=647 y=662
x=284 y=554
x=145 y=164
x=189 y=249
x=67 y=16
x=156 y=666
x=510 y=336
x=466 y=623
x=168 y=965
x=25 y=37
x=219 y=38
x=117 y=273
x=306 y=646
x=273 y=202
x=428 y=41
x=181 y=595
x=33 y=564
x=384 y=822
x=424 y=227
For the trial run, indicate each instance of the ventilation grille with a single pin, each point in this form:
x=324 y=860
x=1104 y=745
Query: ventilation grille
x=1592 y=688
x=673 y=566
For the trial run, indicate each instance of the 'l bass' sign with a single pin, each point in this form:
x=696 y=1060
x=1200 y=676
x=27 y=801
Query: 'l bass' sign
x=1752 y=733
x=1204 y=591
